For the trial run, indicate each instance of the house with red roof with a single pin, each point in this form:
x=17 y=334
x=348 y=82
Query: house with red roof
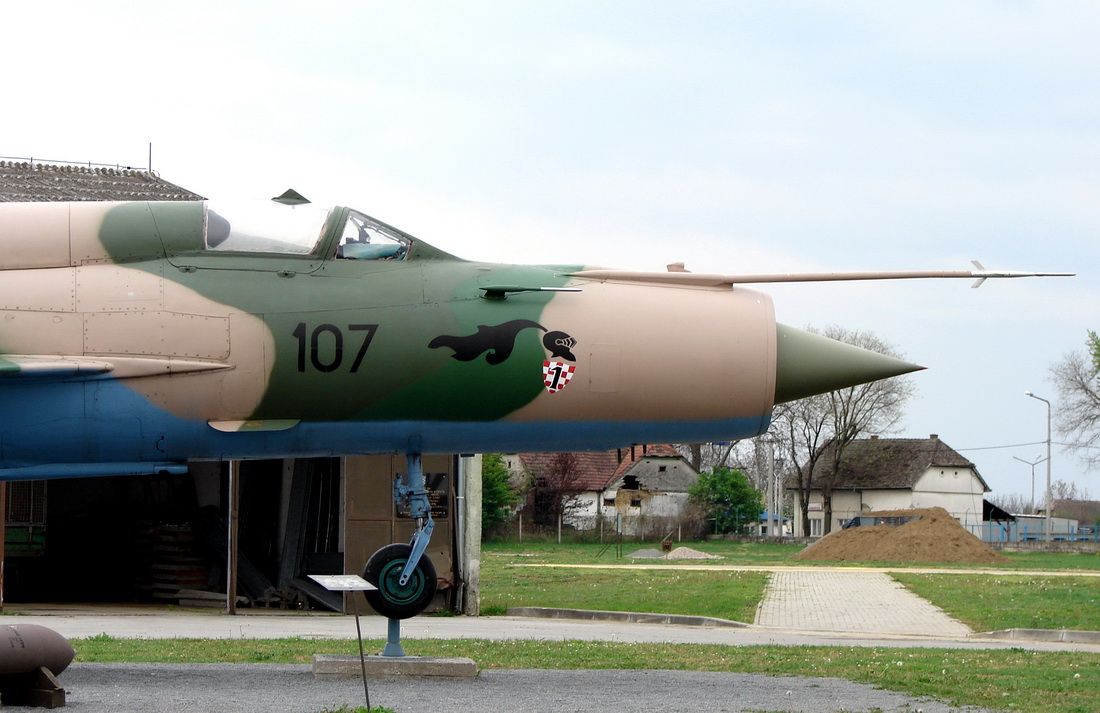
x=642 y=489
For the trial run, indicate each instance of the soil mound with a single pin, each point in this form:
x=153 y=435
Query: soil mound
x=934 y=537
x=680 y=553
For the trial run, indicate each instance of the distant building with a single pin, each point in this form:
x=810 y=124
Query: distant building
x=645 y=488
x=27 y=182
x=1085 y=512
x=893 y=474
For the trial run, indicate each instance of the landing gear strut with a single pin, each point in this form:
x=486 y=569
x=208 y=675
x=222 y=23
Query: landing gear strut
x=405 y=578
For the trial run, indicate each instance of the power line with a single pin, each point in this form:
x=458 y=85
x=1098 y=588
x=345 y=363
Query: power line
x=1021 y=445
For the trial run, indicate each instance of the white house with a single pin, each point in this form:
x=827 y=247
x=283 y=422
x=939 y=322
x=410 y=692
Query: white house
x=643 y=487
x=894 y=474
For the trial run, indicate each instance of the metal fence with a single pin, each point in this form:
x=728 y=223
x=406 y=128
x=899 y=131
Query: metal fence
x=1031 y=532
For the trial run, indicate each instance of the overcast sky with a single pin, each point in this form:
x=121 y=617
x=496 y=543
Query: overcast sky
x=733 y=136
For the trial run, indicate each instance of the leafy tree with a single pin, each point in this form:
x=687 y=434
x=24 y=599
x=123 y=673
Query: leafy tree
x=496 y=492
x=1077 y=417
x=728 y=497
x=830 y=422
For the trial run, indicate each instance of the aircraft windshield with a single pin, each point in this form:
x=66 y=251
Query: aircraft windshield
x=366 y=239
x=264 y=227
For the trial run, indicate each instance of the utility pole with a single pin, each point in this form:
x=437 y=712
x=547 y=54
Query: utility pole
x=1050 y=498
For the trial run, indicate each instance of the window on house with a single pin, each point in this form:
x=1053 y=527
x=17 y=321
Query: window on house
x=635 y=502
x=815 y=527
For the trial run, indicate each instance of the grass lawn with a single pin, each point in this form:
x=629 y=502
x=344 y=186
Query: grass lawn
x=748 y=554
x=984 y=602
x=1012 y=680
x=1054 y=560
x=1008 y=601
x=727 y=595
x=590 y=553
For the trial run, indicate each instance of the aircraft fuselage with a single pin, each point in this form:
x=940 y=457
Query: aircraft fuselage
x=133 y=341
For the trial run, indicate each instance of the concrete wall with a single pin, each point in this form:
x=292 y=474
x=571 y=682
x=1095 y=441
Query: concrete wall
x=608 y=505
x=1040 y=546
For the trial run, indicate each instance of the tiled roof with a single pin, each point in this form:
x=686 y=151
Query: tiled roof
x=41 y=182
x=599 y=469
x=1086 y=512
x=595 y=470
x=888 y=462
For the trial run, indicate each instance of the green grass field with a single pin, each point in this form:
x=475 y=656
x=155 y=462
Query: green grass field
x=1008 y=601
x=1005 y=680
x=983 y=602
x=740 y=553
x=727 y=595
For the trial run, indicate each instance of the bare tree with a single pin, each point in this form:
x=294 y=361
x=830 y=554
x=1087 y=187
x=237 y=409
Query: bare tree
x=554 y=490
x=1013 y=503
x=1062 y=490
x=1078 y=413
x=828 y=423
x=707 y=456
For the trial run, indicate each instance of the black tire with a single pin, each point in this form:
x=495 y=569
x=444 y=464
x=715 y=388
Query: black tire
x=391 y=600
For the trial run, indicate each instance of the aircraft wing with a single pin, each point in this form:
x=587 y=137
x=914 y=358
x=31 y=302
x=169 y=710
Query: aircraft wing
x=677 y=275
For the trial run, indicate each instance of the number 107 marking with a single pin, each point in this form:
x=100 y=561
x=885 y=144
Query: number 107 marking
x=325 y=346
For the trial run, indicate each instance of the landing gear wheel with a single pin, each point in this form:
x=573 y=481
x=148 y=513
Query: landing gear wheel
x=392 y=600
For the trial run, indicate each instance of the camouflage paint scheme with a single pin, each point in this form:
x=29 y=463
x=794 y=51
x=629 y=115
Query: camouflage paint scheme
x=130 y=346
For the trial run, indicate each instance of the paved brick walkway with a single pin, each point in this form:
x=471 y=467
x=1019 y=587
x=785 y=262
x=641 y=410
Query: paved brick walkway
x=868 y=602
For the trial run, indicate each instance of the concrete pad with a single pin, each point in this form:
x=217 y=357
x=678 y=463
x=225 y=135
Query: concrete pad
x=338 y=666
x=851 y=601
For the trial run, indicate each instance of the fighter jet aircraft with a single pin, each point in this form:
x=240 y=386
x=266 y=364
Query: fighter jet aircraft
x=139 y=336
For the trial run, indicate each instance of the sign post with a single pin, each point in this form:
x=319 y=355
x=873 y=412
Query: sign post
x=350 y=583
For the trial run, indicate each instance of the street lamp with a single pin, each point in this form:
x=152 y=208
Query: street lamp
x=1050 y=500
x=1033 y=463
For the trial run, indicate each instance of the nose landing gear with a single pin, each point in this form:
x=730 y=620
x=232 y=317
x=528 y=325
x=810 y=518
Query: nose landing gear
x=405 y=578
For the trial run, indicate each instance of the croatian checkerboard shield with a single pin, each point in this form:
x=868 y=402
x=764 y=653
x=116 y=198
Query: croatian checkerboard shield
x=556 y=374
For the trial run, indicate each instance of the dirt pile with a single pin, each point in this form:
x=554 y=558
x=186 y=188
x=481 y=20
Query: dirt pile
x=687 y=553
x=934 y=537
x=680 y=553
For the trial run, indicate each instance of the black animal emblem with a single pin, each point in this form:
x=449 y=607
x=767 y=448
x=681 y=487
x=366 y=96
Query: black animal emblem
x=499 y=341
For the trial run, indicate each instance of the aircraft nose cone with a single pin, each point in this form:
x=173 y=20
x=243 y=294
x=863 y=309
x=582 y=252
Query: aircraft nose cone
x=809 y=364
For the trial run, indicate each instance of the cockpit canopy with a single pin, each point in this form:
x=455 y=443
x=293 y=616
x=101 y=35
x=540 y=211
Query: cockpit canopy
x=276 y=229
